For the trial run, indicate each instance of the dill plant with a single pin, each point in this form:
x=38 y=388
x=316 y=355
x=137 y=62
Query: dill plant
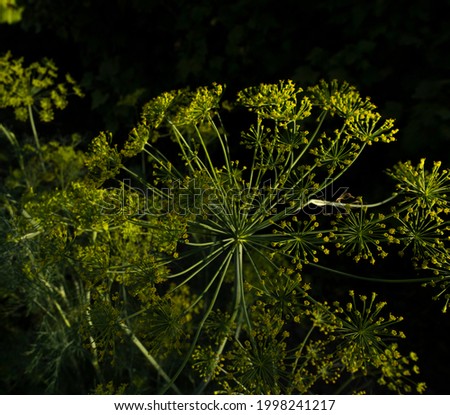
x=249 y=235
x=190 y=270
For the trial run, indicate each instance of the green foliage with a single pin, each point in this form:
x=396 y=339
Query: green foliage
x=190 y=271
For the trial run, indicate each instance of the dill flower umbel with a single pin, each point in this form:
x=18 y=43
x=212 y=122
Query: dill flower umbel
x=34 y=87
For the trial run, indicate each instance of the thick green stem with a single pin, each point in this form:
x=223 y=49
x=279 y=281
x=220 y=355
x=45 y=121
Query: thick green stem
x=300 y=349
x=149 y=357
x=93 y=343
x=238 y=302
x=36 y=137
x=222 y=270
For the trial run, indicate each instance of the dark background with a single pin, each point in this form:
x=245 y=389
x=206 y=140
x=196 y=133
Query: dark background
x=124 y=52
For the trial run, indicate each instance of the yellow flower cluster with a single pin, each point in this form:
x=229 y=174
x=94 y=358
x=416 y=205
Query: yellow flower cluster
x=200 y=106
x=154 y=111
x=33 y=87
x=426 y=188
x=176 y=109
x=360 y=116
x=364 y=126
x=103 y=161
x=278 y=102
x=339 y=98
x=10 y=12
